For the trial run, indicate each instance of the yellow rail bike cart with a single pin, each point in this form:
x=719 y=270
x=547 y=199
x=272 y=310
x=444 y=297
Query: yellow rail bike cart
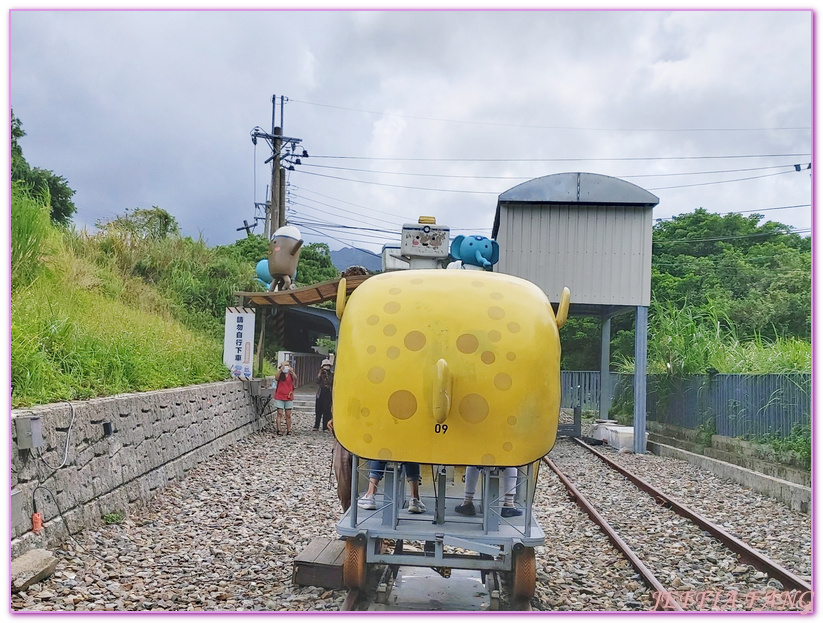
x=446 y=368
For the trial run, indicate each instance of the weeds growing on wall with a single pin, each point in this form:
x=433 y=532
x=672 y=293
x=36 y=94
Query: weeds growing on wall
x=798 y=441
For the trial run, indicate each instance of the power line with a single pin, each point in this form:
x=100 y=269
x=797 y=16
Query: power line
x=317 y=231
x=326 y=224
x=548 y=127
x=791 y=207
x=355 y=205
x=739 y=179
x=442 y=190
x=491 y=192
x=740 y=237
x=328 y=207
x=800 y=205
x=524 y=177
x=621 y=159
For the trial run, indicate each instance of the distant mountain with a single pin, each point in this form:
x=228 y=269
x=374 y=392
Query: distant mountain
x=349 y=256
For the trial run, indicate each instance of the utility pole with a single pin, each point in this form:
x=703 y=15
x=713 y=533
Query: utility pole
x=276 y=208
x=273 y=220
x=281 y=204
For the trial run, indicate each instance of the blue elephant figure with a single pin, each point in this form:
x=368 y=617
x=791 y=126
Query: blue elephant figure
x=476 y=251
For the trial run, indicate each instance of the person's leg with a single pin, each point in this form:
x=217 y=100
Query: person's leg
x=327 y=410
x=288 y=421
x=509 y=491
x=413 y=476
x=376 y=469
x=341 y=462
x=467 y=506
x=318 y=413
x=277 y=420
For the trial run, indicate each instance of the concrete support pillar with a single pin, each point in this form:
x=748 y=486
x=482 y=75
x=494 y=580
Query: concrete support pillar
x=605 y=377
x=641 y=326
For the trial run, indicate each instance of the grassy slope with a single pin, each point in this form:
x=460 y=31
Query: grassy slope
x=81 y=329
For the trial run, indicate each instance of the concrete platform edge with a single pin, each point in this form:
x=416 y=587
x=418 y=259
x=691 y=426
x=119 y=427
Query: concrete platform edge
x=797 y=497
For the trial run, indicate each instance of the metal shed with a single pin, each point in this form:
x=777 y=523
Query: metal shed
x=592 y=233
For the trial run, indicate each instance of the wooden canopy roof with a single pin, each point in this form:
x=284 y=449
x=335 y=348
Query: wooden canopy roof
x=307 y=295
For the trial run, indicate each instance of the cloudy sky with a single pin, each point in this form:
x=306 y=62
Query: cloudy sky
x=413 y=113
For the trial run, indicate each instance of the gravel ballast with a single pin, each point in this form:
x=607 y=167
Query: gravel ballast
x=226 y=536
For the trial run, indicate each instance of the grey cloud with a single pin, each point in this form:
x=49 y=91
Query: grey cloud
x=155 y=108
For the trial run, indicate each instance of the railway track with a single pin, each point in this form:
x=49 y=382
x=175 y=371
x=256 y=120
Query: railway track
x=432 y=593
x=684 y=567
x=676 y=588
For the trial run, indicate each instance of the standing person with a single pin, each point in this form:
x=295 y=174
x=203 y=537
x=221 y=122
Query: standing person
x=322 y=402
x=284 y=395
x=341 y=465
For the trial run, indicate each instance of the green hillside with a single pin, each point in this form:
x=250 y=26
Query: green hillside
x=82 y=327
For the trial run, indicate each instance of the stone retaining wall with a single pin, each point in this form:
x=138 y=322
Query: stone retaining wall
x=153 y=438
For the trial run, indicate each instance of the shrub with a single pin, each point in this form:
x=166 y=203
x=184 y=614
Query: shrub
x=30 y=230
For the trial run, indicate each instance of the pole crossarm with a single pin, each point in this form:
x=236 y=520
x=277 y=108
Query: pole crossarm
x=307 y=295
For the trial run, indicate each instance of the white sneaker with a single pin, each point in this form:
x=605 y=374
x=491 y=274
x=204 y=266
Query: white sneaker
x=367 y=503
x=416 y=506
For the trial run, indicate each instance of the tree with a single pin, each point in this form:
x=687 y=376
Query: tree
x=315 y=264
x=251 y=249
x=749 y=277
x=757 y=275
x=151 y=224
x=42 y=182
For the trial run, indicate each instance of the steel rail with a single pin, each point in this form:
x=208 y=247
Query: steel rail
x=351 y=598
x=645 y=573
x=748 y=555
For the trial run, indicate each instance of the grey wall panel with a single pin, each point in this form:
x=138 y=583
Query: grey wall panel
x=602 y=253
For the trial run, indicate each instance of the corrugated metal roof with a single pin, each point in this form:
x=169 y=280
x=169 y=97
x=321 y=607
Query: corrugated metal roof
x=579 y=187
x=566 y=188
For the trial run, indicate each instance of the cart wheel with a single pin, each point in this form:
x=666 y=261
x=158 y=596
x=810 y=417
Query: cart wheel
x=354 y=568
x=525 y=573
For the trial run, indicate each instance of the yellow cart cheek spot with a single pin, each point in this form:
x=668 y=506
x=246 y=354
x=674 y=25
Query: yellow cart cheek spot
x=402 y=404
x=415 y=340
x=377 y=374
x=392 y=352
x=503 y=381
x=392 y=307
x=496 y=313
x=467 y=343
x=487 y=357
x=473 y=408
x=389 y=330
